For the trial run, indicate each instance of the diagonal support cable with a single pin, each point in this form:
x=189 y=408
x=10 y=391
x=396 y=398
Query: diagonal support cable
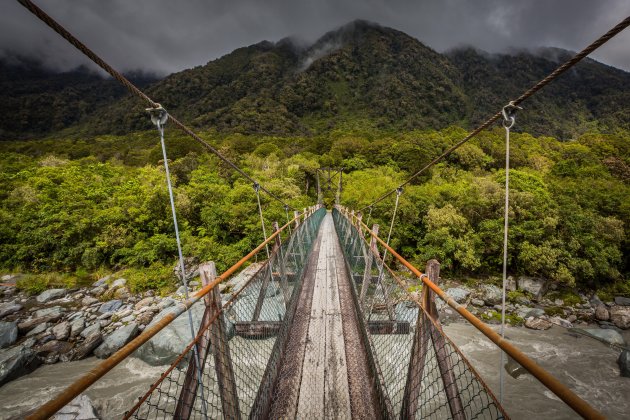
x=159 y=116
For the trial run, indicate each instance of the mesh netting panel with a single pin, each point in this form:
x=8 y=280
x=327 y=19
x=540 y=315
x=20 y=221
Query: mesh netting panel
x=240 y=347
x=420 y=373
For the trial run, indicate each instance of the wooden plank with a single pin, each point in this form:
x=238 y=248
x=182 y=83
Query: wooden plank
x=215 y=340
x=311 y=401
x=388 y=327
x=257 y=329
x=369 y=257
x=279 y=259
x=336 y=392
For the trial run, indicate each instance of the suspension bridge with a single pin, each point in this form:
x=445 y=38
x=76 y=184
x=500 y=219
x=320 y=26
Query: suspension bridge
x=327 y=327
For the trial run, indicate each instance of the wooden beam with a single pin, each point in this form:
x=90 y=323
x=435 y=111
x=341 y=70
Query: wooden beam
x=214 y=339
x=388 y=327
x=279 y=258
x=369 y=258
x=257 y=329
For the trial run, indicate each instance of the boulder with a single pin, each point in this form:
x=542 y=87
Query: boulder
x=123 y=313
x=622 y=301
x=144 y=318
x=61 y=331
x=595 y=301
x=514 y=369
x=101 y=282
x=122 y=293
x=167 y=302
x=148 y=301
x=118 y=283
x=116 y=340
x=620 y=316
x=562 y=322
x=8 y=334
x=77 y=326
x=84 y=349
x=601 y=313
x=458 y=294
x=536 y=286
x=80 y=408
x=54 y=346
x=624 y=363
x=166 y=345
x=98 y=291
x=40 y=328
x=607 y=335
x=491 y=294
x=17 y=361
x=9 y=308
x=110 y=306
x=53 y=313
x=537 y=323
x=93 y=328
x=477 y=302
x=88 y=300
x=51 y=294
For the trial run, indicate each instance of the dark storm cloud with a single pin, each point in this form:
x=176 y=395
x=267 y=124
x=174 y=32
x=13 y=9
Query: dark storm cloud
x=165 y=35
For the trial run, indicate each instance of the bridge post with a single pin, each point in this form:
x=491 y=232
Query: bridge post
x=296 y=216
x=369 y=257
x=214 y=339
x=439 y=344
x=277 y=247
x=428 y=297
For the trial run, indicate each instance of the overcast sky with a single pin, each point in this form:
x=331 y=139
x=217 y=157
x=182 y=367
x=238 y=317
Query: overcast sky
x=164 y=36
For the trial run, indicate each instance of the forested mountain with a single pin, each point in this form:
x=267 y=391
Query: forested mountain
x=359 y=71
x=36 y=101
x=90 y=197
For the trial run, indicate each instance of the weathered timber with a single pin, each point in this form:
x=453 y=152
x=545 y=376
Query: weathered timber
x=369 y=258
x=214 y=339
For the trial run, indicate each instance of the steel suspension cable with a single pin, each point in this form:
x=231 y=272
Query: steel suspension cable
x=159 y=119
x=44 y=17
x=544 y=82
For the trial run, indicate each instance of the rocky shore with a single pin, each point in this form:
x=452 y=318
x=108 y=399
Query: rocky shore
x=533 y=303
x=61 y=325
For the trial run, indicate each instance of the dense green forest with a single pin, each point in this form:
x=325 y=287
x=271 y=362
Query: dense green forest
x=101 y=204
x=82 y=185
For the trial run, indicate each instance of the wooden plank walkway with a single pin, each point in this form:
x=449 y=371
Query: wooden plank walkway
x=315 y=380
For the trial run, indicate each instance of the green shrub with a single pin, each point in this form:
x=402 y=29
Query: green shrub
x=158 y=277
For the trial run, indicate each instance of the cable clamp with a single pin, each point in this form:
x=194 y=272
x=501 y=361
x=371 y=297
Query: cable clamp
x=399 y=190
x=509 y=114
x=159 y=116
x=256 y=186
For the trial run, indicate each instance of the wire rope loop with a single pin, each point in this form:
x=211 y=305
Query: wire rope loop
x=159 y=116
x=509 y=114
x=399 y=191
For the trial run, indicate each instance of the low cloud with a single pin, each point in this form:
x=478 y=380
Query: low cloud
x=164 y=36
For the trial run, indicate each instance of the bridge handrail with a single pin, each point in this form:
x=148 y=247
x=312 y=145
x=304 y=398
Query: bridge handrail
x=48 y=409
x=547 y=379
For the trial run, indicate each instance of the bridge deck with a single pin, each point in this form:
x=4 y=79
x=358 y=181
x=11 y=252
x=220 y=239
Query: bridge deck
x=325 y=372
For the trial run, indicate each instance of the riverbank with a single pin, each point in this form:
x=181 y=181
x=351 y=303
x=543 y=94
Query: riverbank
x=70 y=325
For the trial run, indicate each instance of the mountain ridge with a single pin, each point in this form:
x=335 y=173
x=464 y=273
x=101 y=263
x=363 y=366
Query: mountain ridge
x=359 y=71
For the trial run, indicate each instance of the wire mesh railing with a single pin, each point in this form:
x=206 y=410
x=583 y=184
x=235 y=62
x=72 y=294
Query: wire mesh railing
x=419 y=371
x=240 y=342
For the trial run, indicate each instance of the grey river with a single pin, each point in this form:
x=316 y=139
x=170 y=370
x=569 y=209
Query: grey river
x=587 y=366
